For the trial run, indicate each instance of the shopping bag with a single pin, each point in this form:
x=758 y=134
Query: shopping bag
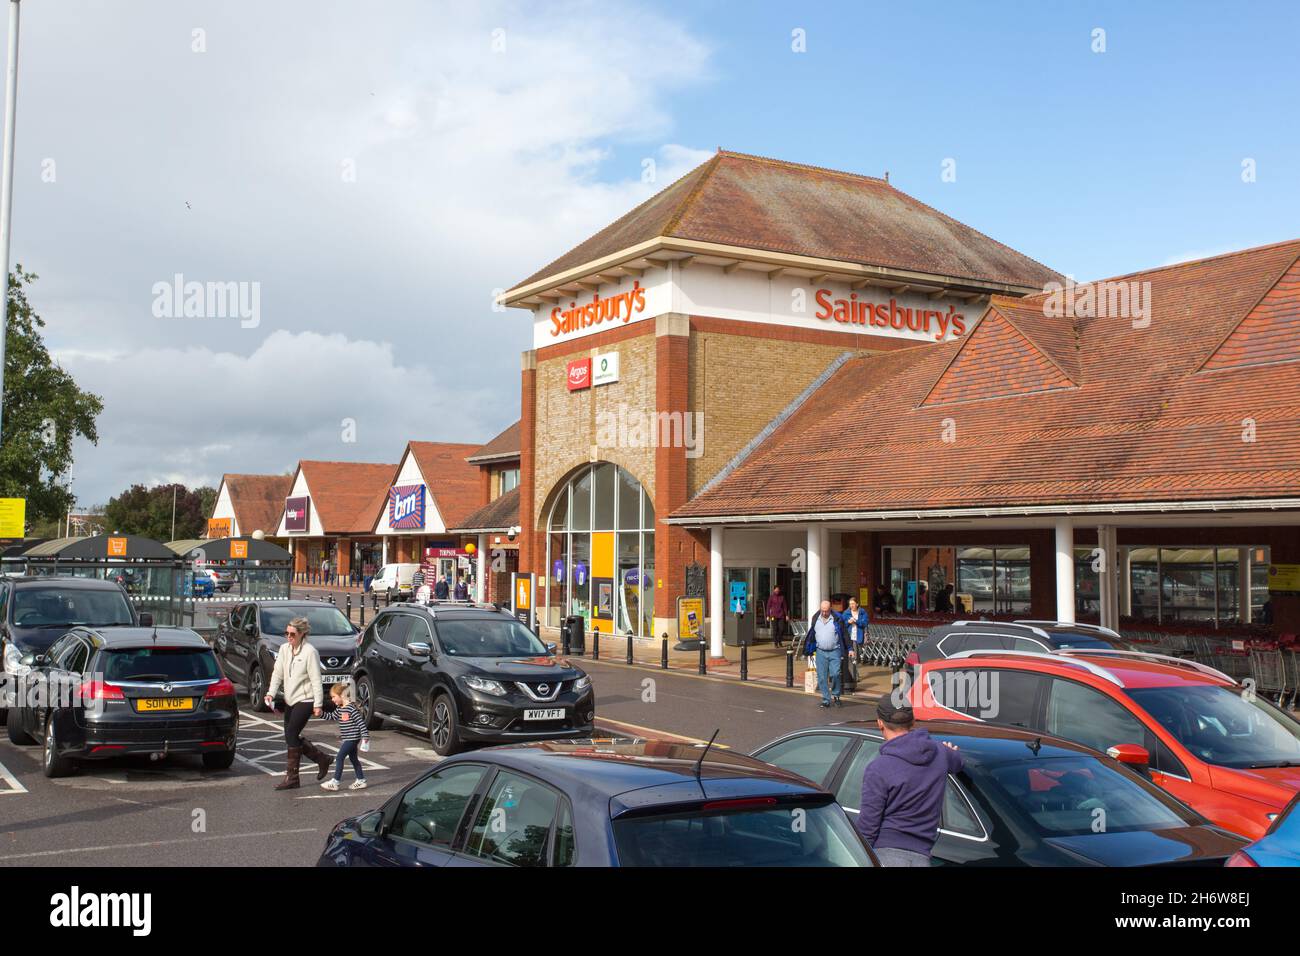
x=810 y=679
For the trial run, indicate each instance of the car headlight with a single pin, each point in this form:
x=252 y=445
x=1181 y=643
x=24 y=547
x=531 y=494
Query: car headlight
x=12 y=656
x=582 y=683
x=486 y=686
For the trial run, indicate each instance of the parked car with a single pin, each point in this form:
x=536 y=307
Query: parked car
x=463 y=674
x=1022 y=799
x=129 y=690
x=394 y=580
x=1214 y=744
x=36 y=611
x=953 y=637
x=1279 y=846
x=250 y=636
x=643 y=803
x=203 y=585
x=223 y=580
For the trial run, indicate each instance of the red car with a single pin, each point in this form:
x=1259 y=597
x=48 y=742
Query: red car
x=1212 y=743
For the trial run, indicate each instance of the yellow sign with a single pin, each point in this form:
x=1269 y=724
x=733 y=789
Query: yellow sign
x=523 y=593
x=117 y=547
x=1284 y=579
x=13 y=517
x=238 y=549
x=218 y=528
x=690 y=618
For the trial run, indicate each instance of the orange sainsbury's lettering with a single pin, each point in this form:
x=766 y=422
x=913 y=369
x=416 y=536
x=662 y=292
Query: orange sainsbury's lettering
x=621 y=306
x=852 y=311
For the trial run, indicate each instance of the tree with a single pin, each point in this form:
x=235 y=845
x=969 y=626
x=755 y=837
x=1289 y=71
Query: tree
x=44 y=411
x=148 y=511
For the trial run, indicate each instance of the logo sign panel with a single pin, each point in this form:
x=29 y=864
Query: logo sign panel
x=406 y=507
x=218 y=528
x=239 y=549
x=296 y=513
x=604 y=369
x=579 y=374
x=117 y=547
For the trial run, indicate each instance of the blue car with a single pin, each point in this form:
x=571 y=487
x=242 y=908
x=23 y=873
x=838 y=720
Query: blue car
x=203 y=585
x=601 y=803
x=1280 y=844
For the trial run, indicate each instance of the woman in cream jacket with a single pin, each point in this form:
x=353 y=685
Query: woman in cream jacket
x=297 y=669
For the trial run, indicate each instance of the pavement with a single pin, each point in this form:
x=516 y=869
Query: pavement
x=173 y=812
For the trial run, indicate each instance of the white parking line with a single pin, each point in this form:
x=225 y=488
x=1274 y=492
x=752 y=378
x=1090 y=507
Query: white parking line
x=265 y=741
x=13 y=786
x=134 y=846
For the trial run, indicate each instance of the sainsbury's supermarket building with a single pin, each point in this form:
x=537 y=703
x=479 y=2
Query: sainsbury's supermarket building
x=777 y=374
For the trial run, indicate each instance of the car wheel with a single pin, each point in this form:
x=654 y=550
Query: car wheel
x=54 y=764
x=219 y=761
x=366 y=701
x=16 y=734
x=257 y=690
x=444 y=731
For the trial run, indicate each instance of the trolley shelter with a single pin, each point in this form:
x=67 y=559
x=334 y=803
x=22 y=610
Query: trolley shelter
x=155 y=577
x=249 y=568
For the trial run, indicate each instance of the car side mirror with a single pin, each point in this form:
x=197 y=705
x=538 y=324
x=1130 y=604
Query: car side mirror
x=1131 y=755
x=419 y=649
x=146 y=619
x=371 y=825
x=550 y=646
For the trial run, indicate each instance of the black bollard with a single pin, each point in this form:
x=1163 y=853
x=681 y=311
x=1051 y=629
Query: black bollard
x=704 y=661
x=663 y=653
x=332 y=601
x=374 y=600
x=349 y=607
x=595 y=645
x=744 y=660
x=629 y=647
x=363 y=615
x=789 y=668
x=388 y=598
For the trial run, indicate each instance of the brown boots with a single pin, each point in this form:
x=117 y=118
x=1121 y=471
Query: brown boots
x=290 y=781
x=312 y=752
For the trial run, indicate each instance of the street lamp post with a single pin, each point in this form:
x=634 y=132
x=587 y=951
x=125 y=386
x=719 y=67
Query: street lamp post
x=7 y=175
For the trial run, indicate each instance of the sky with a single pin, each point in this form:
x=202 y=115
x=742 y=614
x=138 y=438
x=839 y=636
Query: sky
x=369 y=176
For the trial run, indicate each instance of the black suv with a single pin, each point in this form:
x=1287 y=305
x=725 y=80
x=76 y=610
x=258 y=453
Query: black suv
x=250 y=637
x=468 y=674
x=35 y=611
x=112 y=692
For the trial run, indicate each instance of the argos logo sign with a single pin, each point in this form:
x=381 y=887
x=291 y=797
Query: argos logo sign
x=578 y=374
x=406 y=507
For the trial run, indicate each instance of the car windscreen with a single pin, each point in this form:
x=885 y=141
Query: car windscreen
x=738 y=835
x=1223 y=726
x=1073 y=796
x=51 y=606
x=324 y=621
x=158 y=663
x=488 y=637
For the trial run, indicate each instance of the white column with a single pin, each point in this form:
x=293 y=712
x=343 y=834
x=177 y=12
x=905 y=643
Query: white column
x=717 y=600
x=816 y=580
x=1065 y=569
x=1243 y=585
x=1125 y=588
x=480 y=572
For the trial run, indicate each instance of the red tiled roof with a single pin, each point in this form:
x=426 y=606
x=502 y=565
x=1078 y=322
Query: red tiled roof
x=347 y=494
x=257 y=500
x=452 y=482
x=1142 y=423
x=504 y=445
x=775 y=206
x=998 y=360
x=502 y=514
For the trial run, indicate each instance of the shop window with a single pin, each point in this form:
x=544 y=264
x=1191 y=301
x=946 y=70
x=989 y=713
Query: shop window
x=509 y=480
x=593 y=570
x=1169 y=585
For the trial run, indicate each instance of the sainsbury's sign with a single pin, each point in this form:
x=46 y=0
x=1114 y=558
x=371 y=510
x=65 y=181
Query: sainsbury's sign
x=406 y=507
x=891 y=315
x=621 y=306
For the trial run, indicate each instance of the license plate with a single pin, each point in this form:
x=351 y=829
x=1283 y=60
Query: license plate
x=336 y=678
x=554 y=713
x=164 y=703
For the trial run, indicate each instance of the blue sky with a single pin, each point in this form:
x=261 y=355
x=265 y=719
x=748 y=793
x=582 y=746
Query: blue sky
x=1095 y=163
x=379 y=172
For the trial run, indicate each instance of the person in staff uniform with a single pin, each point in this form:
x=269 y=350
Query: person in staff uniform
x=297 y=669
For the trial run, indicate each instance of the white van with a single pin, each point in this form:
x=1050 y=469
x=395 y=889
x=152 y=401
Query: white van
x=395 y=578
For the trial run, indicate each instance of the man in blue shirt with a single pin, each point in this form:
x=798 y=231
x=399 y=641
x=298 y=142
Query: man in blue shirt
x=826 y=640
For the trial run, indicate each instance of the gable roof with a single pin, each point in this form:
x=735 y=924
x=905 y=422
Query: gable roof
x=996 y=359
x=1142 y=423
x=1269 y=333
x=776 y=206
x=503 y=446
x=257 y=500
x=500 y=514
x=347 y=494
x=452 y=482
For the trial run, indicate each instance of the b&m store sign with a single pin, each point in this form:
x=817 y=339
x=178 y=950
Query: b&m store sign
x=406 y=507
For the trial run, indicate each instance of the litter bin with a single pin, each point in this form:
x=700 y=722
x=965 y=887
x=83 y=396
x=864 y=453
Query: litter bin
x=577 y=637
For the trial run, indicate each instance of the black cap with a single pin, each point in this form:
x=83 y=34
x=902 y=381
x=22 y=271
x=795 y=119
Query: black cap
x=892 y=712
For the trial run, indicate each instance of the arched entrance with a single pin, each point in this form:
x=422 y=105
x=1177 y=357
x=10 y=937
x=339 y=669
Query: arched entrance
x=600 y=552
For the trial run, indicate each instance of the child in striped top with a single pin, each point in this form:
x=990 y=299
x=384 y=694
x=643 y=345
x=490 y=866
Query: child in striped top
x=352 y=731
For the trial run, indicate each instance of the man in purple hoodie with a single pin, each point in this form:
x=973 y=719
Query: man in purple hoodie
x=903 y=788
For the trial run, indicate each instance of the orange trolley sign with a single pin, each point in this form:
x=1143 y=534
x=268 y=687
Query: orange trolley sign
x=521 y=597
x=117 y=547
